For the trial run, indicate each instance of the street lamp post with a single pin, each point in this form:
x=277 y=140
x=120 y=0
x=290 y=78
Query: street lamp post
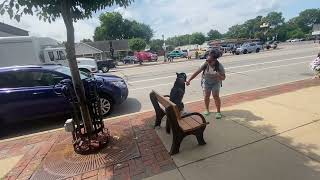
x=164 y=48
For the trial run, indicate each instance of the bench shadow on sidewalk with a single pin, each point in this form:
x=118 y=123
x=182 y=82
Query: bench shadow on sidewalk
x=244 y=117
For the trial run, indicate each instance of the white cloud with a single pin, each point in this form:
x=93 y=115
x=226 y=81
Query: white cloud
x=168 y=17
x=56 y=30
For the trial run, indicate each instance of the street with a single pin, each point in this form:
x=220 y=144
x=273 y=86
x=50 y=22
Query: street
x=244 y=72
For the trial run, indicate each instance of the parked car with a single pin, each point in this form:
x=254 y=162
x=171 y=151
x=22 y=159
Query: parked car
x=185 y=53
x=106 y=65
x=143 y=56
x=130 y=60
x=271 y=44
x=227 y=47
x=154 y=57
x=295 y=40
x=176 y=53
x=29 y=92
x=248 y=48
x=87 y=65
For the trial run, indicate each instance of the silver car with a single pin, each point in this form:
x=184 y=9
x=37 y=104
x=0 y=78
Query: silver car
x=248 y=48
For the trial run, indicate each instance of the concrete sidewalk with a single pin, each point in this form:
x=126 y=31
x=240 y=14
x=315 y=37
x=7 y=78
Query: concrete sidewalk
x=271 y=138
x=271 y=133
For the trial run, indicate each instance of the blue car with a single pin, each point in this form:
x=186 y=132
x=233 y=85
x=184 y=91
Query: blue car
x=27 y=92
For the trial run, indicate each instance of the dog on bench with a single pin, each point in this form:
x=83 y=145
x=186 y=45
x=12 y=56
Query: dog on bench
x=178 y=90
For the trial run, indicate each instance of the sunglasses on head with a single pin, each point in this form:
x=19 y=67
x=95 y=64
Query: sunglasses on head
x=210 y=59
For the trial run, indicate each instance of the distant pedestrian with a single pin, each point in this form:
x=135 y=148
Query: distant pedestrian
x=213 y=74
x=315 y=66
x=188 y=54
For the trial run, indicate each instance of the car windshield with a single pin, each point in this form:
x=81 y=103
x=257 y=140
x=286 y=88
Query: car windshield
x=66 y=71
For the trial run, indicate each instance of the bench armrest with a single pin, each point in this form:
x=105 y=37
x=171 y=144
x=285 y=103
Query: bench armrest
x=197 y=114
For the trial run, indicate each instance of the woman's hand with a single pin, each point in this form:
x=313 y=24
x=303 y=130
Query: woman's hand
x=221 y=76
x=188 y=83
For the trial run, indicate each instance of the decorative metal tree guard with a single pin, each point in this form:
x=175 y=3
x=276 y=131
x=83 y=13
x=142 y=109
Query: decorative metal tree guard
x=83 y=141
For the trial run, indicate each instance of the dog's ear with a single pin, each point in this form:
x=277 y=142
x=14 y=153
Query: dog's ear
x=177 y=74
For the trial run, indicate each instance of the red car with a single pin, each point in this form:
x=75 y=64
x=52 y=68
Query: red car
x=146 y=56
x=143 y=56
x=154 y=57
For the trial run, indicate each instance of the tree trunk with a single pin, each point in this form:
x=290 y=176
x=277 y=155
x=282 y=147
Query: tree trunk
x=76 y=80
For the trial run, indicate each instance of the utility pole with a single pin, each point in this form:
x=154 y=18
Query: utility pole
x=164 y=48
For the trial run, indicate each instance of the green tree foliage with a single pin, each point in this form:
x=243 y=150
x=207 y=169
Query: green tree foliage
x=277 y=28
x=197 y=38
x=296 y=27
x=137 y=44
x=114 y=26
x=70 y=11
x=156 y=45
x=237 y=31
x=273 y=19
x=214 y=34
x=307 y=18
x=194 y=38
x=179 y=40
x=297 y=33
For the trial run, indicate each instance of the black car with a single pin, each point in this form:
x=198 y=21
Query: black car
x=106 y=65
x=130 y=60
x=272 y=44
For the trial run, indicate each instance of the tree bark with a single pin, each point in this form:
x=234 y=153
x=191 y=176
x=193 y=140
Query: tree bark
x=76 y=80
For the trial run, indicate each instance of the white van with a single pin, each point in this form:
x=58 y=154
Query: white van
x=28 y=50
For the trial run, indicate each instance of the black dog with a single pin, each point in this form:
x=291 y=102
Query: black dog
x=177 y=92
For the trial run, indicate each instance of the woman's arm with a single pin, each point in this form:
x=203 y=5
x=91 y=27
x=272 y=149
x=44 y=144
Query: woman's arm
x=195 y=74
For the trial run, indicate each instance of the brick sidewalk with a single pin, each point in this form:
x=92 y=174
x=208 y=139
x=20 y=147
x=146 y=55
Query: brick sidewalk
x=151 y=158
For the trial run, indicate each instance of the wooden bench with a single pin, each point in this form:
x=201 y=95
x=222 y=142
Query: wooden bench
x=188 y=124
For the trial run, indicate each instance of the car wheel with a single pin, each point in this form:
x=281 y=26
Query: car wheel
x=257 y=50
x=245 y=51
x=105 y=69
x=106 y=106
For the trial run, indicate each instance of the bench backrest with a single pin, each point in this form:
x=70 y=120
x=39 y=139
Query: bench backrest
x=166 y=103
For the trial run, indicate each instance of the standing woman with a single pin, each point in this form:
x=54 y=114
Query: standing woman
x=213 y=74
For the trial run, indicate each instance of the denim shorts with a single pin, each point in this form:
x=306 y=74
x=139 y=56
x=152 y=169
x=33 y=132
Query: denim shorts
x=210 y=86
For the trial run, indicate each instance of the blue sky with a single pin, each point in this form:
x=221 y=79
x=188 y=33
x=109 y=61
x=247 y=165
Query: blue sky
x=174 y=17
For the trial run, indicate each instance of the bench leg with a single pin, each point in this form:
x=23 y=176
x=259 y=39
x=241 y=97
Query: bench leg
x=159 y=115
x=176 y=141
x=199 y=135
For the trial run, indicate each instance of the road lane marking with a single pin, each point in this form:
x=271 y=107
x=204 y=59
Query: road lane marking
x=233 y=67
x=253 y=70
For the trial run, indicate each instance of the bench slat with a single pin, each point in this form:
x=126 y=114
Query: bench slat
x=197 y=118
x=184 y=125
x=165 y=102
x=189 y=124
x=192 y=123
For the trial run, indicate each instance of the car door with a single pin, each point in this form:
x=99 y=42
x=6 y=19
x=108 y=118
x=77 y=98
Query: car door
x=32 y=96
x=252 y=47
x=51 y=103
